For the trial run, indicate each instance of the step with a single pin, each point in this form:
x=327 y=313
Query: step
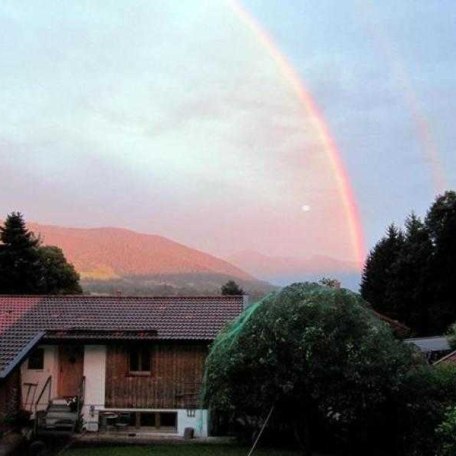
x=59 y=401
x=61 y=415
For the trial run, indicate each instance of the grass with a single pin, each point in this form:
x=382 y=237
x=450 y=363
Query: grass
x=175 y=450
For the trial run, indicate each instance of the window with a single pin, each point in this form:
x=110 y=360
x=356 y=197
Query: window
x=139 y=361
x=36 y=359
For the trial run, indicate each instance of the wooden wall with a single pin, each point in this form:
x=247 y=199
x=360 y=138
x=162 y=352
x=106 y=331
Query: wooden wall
x=10 y=395
x=174 y=382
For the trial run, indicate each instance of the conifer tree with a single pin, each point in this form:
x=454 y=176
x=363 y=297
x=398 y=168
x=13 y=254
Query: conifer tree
x=409 y=288
x=411 y=277
x=20 y=266
x=378 y=271
x=26 y=267
x=441 y=222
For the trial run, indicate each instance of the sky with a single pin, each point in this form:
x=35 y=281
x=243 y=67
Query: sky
x=285 y=127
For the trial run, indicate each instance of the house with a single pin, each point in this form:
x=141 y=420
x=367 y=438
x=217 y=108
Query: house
x=432 y=348
x=136 y=358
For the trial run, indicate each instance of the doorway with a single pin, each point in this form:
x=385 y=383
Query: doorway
x=71 y=370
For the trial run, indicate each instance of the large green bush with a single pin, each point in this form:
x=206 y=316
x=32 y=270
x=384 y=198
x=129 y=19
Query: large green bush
x=446 y=431
x=317 y=352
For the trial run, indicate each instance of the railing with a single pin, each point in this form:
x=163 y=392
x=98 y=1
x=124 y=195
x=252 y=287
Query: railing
x=47 y=384
x=139 y=391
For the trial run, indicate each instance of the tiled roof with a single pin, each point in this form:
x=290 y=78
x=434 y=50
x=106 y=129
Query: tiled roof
x=24 y=318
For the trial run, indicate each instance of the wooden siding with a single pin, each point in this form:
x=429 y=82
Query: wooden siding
x=174 y=382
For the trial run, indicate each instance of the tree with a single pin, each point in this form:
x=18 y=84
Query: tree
x=408 y=289
x=59 y=276
x=378 y=272
x=26 y=267
x=447 y=433
x=329 y=282
x=231 y=288
x=410 y=277
x=20 y=266
x=316 y=352
x=441 y=222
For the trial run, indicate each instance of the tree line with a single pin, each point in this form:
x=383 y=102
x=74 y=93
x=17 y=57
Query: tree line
x=410 y=273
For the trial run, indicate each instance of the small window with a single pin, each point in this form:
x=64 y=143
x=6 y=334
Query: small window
x=139 y=361
x=36 y=359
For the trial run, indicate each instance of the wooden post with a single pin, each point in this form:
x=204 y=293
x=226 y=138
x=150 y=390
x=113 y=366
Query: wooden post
x=137 y=420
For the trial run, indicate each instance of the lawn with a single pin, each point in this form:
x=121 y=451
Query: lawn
x=175 y=450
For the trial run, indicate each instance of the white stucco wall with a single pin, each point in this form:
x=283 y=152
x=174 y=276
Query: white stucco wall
x=197 y=422
x=94 y=372
x=39 y=377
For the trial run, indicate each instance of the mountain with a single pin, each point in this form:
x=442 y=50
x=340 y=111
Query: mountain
x=284 y=270
x=116 y=259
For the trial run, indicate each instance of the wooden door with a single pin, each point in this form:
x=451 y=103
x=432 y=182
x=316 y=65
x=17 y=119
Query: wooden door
x=71 y=369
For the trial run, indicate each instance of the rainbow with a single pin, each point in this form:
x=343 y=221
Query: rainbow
x=422 y=125
x=345 y=190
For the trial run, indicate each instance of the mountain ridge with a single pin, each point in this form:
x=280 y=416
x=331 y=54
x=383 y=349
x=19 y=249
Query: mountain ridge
x=109 y=253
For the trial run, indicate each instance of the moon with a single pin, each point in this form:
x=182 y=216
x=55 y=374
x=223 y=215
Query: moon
x=305 y=208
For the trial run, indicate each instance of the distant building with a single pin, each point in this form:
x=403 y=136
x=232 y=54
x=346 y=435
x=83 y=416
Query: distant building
x=433 y=348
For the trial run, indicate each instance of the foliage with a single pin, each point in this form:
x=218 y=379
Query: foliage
x=378 y=271
x=419 y=407
x=20 y=268
x=441 y=222
x=447 y=433
x=451 y=336
x=26 y=267
x=16 y=420
x=329 y=282
x=408 y=289
x=60 y=276
x=231 y=288
x=409 y=275
x=311 y=350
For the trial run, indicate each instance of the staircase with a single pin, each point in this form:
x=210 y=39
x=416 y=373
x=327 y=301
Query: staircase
x=59 y=418
x=62 y=415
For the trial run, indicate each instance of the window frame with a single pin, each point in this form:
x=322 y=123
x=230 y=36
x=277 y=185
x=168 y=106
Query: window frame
x=144 y=355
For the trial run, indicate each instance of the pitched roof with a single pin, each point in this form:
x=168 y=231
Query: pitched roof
x=26 y=319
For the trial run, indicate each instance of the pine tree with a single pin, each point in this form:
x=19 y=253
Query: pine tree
x=378 y=272
x=441 y=222
x=411 y=277
x=409 y=288
x=20 y=266
x=26 y=267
